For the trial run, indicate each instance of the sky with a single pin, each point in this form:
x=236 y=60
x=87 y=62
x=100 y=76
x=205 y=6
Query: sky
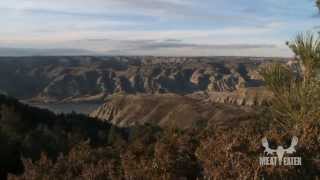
x=158 y=27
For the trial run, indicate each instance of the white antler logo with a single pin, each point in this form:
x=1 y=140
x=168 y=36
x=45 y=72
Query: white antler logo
x=280 y=151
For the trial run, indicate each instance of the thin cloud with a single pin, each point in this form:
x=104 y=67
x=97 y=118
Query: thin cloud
x=130 y=46
x=155 y=26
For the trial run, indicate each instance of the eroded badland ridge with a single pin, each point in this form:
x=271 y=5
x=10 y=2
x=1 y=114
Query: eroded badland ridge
x=233 y=80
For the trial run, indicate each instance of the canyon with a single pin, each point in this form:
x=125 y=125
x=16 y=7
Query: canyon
x=231 y=80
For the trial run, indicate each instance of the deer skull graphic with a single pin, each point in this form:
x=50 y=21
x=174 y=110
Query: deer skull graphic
x=280 y=151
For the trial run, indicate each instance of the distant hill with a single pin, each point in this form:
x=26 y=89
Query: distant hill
x=89 y=78
x=18 y=52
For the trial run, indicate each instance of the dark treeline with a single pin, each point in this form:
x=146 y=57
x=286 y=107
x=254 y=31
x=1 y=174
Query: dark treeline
x=27 y=132
x=37 y=144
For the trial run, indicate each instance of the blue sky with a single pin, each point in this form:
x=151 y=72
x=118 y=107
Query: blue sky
x=157 y=27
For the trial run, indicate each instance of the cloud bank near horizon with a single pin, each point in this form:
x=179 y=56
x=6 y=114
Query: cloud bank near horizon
x=157 y=27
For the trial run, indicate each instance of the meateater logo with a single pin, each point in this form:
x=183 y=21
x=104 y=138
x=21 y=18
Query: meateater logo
x=280 y=152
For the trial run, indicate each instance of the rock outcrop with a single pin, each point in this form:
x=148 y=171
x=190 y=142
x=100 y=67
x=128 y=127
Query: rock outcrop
x=76 y=79
x=168 y=110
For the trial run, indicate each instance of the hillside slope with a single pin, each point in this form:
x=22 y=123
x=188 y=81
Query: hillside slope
x=169 y=110
x=79 y=79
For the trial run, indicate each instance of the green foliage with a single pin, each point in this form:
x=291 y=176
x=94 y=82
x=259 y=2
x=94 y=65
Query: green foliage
x=296 y=91
x=278 y=77
x=307 y=50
